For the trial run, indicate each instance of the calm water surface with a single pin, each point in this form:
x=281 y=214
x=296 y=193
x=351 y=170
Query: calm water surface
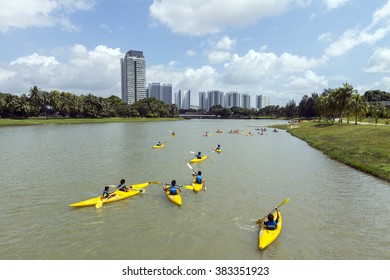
x=334 y=212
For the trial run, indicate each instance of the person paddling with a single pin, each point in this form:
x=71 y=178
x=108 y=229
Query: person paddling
x=272 y=224
x=199 y=155
x=106 y=194
x=198 y=177
x=173 y=189
x=122 y=187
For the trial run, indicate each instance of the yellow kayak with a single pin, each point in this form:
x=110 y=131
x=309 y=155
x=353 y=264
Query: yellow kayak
x=218 y=150
x=119 y=195
x=266 y=236
x=175 y=198
x=198 y=159
x=158 y=147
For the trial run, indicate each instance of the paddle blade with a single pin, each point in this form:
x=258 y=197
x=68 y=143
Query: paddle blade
x=155 y=182
x=99 y=204
x=189 y=187
x=192 y=152
x=189 y=166
x=284 y=202
x=260 y=221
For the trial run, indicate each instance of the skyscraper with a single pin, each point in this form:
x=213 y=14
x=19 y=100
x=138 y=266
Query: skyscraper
x=262 y=101
x=161 y=92
x=133 y=77
x=183 y=99
x=245 y=101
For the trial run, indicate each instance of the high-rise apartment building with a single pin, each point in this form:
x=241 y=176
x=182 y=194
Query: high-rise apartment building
x=262 y=101
x=232 y=99
x=183 y=99
x=161 y=92
x=133 y=77
x=245 y=101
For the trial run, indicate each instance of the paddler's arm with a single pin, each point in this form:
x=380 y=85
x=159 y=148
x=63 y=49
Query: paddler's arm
x=277 y=215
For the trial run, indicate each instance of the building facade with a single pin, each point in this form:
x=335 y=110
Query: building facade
x=232 y=99
x=262 y=101
x=161 y=92
x=133 y=77
x=183 y=99
x=245 y=101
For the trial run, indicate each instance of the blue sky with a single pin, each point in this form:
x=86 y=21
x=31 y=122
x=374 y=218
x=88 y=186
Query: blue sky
x=280 y=48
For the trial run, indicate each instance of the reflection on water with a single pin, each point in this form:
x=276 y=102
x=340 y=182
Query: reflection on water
x=334 y=212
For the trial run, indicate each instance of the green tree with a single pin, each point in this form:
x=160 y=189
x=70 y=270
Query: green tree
x=358 y=106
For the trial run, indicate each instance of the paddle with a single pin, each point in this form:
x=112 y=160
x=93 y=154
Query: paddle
x=180 y=186
x=192 y=152
x=260 y=221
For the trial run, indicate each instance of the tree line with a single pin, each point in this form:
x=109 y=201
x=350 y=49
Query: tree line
x=339 y=103
x=39 y=103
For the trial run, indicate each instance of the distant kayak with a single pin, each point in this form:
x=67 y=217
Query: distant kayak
x=218 y=150
x=175 y=198
x=198 y=159
x=119 y=195
x=266 y=236
x=158 y=147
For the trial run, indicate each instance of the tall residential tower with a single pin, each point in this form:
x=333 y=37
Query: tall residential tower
x=133 y=80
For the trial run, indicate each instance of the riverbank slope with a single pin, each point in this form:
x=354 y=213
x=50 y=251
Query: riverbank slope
x=364 y=147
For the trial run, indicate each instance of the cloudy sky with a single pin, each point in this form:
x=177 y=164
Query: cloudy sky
x=280 y=48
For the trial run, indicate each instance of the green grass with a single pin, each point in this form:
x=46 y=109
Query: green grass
x=364 y=147
x=37 y=121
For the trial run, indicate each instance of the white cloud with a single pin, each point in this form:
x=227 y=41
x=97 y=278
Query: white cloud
x=216 y=57
x=262 y=67
x=375 y=31
x=36 y=59
x=39 y=13
x=225 y=43
x=6 y=75
x=191 y=52
x=310 y=81
x=94 y=71
x=325 y=37
x=335 y=4
x=379 y=61
x=199 y=17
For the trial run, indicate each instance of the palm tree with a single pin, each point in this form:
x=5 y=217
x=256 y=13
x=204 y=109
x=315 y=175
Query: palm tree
x=342 y=96
x=36 y=100
x=358 y=106
x=21 y=106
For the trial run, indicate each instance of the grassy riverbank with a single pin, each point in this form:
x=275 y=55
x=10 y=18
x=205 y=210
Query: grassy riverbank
x=36 y=121
x=364 y=147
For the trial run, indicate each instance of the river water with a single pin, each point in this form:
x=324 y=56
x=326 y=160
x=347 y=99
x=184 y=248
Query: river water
x=334 y=211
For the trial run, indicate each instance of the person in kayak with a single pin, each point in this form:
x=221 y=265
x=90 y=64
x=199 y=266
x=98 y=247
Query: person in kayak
x=159 y=143
x=122 y=187
x=272 y=224
x=218 y=147
x=198 y=177
x=199 y=155
x=106 y=194
x=173 y=189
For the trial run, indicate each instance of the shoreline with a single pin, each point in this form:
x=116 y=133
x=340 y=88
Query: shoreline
x=363 y=147
x=42 y=121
